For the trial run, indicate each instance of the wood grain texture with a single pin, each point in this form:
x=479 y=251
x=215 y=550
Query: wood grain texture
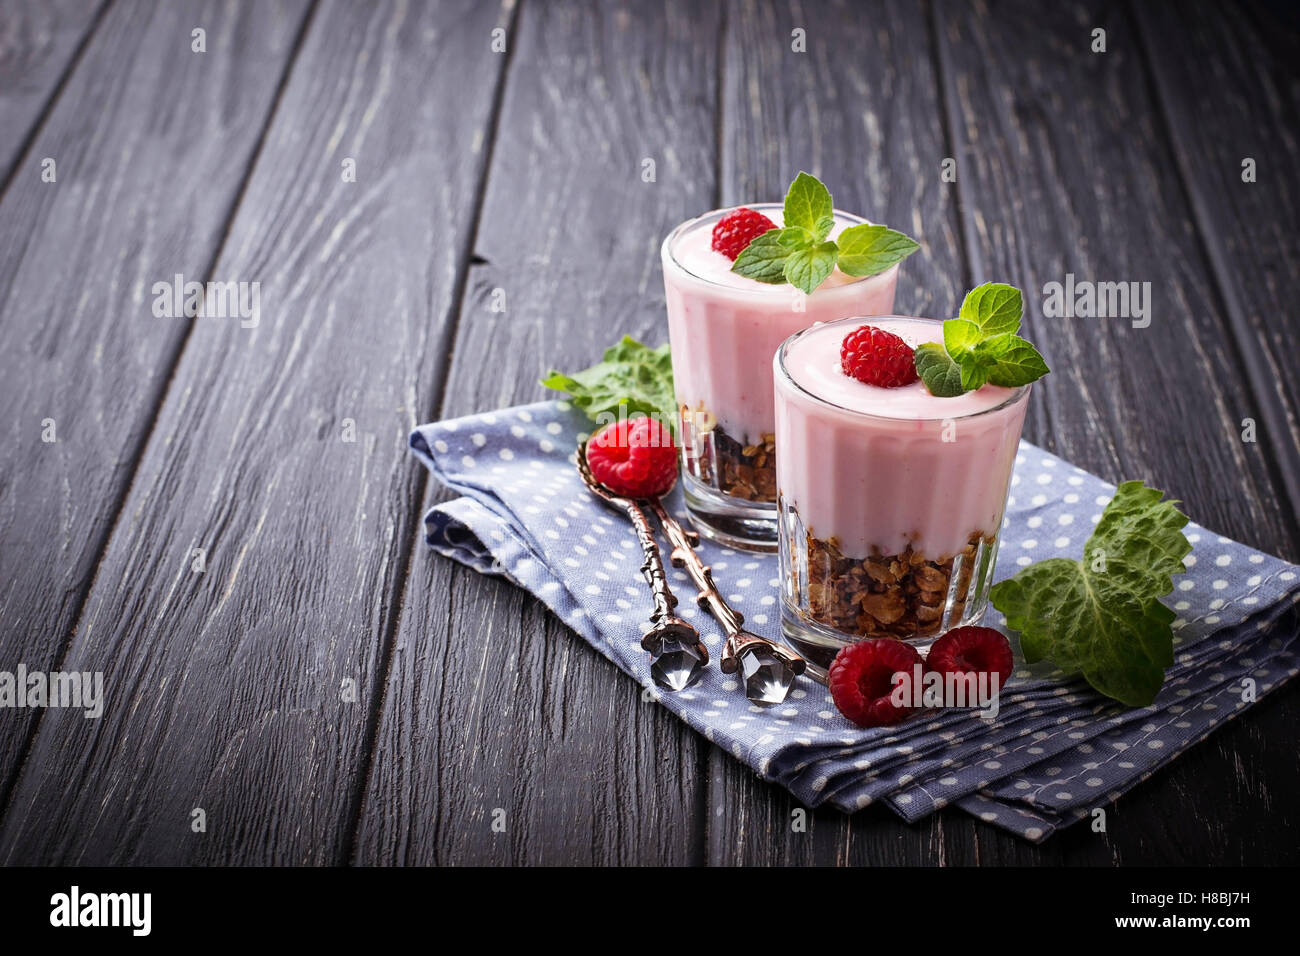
x=226 y=689
x=871 y=125
x=494 y=704
x=39 y=44
x=994 y=109
x=860 y=110
x=522 y=172
x=1226 y=81
x=1064 y=167
x=147 y=178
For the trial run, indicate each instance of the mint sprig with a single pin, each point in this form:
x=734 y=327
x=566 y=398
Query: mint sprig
x=1102 y=616
x=764 y=258
x=941 y=375
x=868 y=250
x=630 y=378
x=981 y=346
x=799 y=252
x=808 y=266
x=808 y=206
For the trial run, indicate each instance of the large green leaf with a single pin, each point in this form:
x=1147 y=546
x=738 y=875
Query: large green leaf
x=631 y=376
x=1102 y=616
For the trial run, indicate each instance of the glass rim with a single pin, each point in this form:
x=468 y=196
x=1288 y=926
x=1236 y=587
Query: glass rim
x=781 y=373
x=765 y=291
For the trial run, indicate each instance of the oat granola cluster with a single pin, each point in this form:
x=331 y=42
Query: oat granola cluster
x=886 y=595
x=746 y=471
x=741 y=471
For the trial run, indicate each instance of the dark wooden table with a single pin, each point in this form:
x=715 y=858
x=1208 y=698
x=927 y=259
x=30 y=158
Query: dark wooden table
x=476 y=170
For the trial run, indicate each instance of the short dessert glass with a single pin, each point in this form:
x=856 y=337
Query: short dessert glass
x=724 y=330
x=891 y=499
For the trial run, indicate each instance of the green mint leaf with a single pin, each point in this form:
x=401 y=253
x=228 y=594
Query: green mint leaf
x=796 y=237
x=993 y=347
x=630 y=377
x=1016 y=363
x=806 y=268
x=995 y=307
x=961 y=337
x=1101 y=616
x=808 y=203
x=974 y=374
x=809 y=218
x=869 y=250
x=980 y=345
x=964 y=342
x=941 y=375
x=763 y=259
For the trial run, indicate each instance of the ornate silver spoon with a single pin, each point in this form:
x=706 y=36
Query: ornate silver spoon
x=678 y=656
x=767 y=669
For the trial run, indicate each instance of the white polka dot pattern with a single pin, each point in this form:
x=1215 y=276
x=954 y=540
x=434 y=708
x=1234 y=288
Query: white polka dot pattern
x=1055 y=750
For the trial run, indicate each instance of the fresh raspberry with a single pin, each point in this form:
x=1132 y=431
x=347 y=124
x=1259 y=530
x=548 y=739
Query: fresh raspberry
x=861 y=680
x=737 y=229
x=634 y=457
x=970 y=649
x=876 y=357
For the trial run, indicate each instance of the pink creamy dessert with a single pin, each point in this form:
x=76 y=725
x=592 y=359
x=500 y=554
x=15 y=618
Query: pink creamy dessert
x=882 y=470
x=725 y=328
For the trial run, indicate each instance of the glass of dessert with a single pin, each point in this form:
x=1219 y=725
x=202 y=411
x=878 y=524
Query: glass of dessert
x=892 y=486
x=737 y=283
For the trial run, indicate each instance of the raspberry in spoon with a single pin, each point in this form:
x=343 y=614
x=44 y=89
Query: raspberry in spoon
x=634 y=457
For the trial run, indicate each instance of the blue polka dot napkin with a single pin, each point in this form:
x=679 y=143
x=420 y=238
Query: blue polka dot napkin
x=1056 y=750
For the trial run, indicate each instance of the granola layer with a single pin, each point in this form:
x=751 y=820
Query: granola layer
x=742 y=471
x=746 y=471
x=898 y=596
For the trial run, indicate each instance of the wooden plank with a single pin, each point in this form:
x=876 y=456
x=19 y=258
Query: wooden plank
x=1224 y=79
x=144 y=190
x=228 y=690
x=39 y=46
x=1064 y=166
x=493 y=704
x=1061 y=166
x=860 y=109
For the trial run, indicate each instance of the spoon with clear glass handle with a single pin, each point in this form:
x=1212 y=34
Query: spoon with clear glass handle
x=677 y=655
x=768 y=669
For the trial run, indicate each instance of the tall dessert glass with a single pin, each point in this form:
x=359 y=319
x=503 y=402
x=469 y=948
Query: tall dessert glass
x=891 y=499
x=724 y=330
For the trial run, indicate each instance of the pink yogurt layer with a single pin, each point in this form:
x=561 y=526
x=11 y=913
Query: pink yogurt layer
x=725 y=328
x=882 y=468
